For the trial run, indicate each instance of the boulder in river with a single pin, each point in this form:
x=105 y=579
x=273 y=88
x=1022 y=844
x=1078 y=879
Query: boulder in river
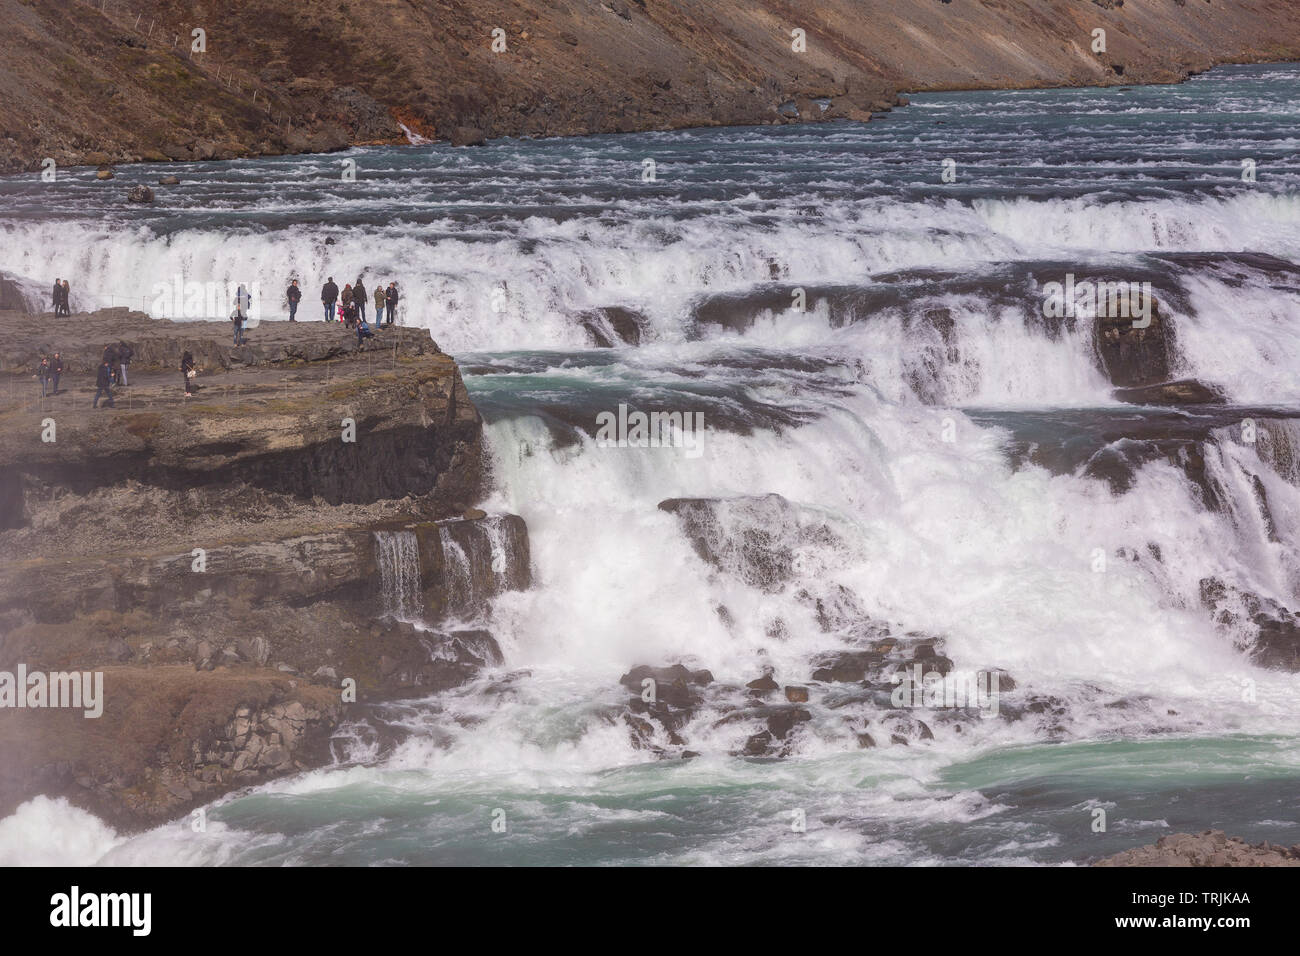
x=1185 y=391
x=103 y=173
x=168 y=181
x=140 y=194
x=467 y=136
x=1134 y=350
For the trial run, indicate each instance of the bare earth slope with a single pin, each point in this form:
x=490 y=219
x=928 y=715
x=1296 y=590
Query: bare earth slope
x=109 y=80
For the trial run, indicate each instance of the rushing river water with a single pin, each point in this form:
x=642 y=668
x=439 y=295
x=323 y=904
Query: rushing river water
x=962 y=479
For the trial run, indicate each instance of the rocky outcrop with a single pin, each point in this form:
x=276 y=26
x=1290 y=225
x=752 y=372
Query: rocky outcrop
x=91 y=83
x=169 y=739
x=412 y=431
x=1185 y=391
x=613 y=326
x=245 y=574
x=1134 y=352
x=1276 y=640
x=1208 y=848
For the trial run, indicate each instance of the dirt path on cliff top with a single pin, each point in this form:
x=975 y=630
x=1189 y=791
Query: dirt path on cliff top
x=83 y=84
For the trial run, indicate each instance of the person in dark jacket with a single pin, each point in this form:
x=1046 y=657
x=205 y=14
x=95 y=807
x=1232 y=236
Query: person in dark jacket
x=65 y=298
x=359 y=297
x=329 y=294
x=124 y=353
x=390 y=301
x=104 y=385
x=363 y=331
x=110 y=358
x=56 y=370
x=187 y=371
x=43 y=373
x=294 y=295
x=57 y=298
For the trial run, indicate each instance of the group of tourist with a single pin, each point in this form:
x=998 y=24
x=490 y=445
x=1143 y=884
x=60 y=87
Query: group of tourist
x=349 y=306
x=112 y=372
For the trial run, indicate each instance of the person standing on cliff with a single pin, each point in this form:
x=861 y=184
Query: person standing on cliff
x=110 y=359
x=390 y=299
x=187 y=372
x=58 y=298
x=43 y=373
x=124 y=354
x=67 y=307
x=56 y=370
x=294 y=295
x=104 y=385
x=379 y=305
x=359 y=297
x=329 y=294
x=243 y=306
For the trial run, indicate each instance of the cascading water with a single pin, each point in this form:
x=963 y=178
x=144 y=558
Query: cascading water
x=915 y=466
x=459 y=575
x=398 y=556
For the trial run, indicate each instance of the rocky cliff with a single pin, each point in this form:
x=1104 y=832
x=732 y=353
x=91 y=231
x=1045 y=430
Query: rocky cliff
x=118 y=80
x=249 y=568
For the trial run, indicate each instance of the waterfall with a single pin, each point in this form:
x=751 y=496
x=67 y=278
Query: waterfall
x=458 y=572
x=398 y=556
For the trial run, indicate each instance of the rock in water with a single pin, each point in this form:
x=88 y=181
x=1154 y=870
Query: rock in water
x=1185 y=391
x=1132 y=353
x=467 y=136
x=103 y=173
x=140 y=194
x=168 y=181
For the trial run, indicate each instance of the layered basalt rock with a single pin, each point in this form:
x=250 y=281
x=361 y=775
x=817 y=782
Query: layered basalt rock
x=276 y=420
x=219 y=558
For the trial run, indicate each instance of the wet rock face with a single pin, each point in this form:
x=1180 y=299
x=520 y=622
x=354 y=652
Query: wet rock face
x=663 y=696
x=1132 y=354
x=932 y=334
x=434 y=660
x=1276 y=643
x=613 y=326
x=754 y=538
x=472 y=561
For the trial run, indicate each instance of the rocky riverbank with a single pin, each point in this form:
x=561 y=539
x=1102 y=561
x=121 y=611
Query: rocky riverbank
x=243 y=566
x=96 y=83
x=1208 y=848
